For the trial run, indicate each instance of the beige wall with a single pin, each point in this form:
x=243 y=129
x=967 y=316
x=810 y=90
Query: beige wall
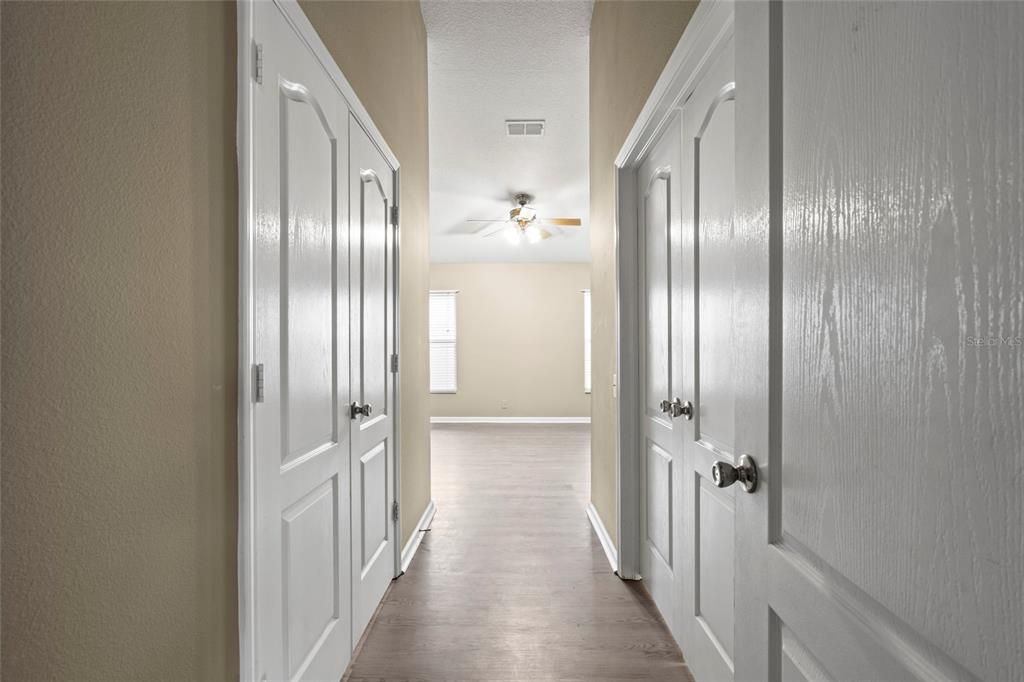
x=119 y=305
x=119 y=341
x=520 y=339
x=381 y=48
x=629 y=45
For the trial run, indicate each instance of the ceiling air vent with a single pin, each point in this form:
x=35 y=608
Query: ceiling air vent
x=520 y=128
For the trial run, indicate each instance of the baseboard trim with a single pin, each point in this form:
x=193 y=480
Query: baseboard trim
x=510 y=420
x=409 y=551
x=602 y=535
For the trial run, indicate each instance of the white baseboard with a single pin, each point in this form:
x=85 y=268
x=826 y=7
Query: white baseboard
x=510 y=420
x=602 y=535
x=417 y=537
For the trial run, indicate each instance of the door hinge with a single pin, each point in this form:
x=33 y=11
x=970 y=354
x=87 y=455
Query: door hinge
x=394 y=363
x=394 y=512
x=258 y=66
x=394 y=215
x=257 y=383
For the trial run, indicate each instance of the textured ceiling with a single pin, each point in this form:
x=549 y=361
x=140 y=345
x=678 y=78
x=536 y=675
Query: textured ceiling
x=491 y=61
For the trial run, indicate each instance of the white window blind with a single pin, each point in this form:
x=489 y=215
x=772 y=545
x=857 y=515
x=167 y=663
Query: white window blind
x=442 y=342
x=586 y=340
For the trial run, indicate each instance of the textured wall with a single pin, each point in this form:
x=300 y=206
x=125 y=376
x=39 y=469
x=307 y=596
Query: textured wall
x=629 y=45
x=520 y=339
x=119 y=341
x=381 y=48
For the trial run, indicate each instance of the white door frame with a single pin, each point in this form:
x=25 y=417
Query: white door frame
x=246 y=224
x=710 y=25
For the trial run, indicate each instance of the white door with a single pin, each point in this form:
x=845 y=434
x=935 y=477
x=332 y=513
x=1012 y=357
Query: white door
x=708 y=252
x=661 y=370
x=879 y=201
x=372 y=244
x=300 y=317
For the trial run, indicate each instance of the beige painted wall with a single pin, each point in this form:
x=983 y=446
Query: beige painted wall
x=630 y=42
x=119 y=341
x=119 y=307
x=381 y=48
x=520 y=339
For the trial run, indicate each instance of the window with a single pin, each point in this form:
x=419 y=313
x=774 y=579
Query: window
x=586 y=340
x=442 y=342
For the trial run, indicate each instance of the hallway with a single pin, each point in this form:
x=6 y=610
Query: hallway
x=510 y=583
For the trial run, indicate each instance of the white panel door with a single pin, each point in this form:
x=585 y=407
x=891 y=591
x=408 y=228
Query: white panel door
x=372 y=240
x=879 y=202
x=661 y=369
x=300 y=424
x=708 y=178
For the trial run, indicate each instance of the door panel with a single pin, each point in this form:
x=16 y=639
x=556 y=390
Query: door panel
x=310 y=549
x=373 y=234
x=308 y=351
x=658 y=185
x=713 y=226
x=657 y=251
x=373 y=482
x=372 y=319
x=659 y=503
x=300 y=443
x=713 y=601
x=706 y=584
x=884 y=196
x=797 y=664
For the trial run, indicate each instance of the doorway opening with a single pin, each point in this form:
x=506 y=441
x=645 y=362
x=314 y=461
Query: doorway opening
x=510 y=542
x=509 y=301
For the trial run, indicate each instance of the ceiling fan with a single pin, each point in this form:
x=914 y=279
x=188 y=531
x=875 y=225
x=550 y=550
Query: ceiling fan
x=524 y=225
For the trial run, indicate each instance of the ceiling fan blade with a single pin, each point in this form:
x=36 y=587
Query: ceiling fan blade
x=498 y=229
x=492 y=229
x=544 y=234
x=474 y=228
x=563 y=222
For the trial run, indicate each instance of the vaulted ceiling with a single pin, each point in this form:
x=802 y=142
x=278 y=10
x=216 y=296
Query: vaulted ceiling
x=490 y=62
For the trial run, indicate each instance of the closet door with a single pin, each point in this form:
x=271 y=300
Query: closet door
x=372 y=239
x=709 y=353
x=661 y=368
x=300 y=331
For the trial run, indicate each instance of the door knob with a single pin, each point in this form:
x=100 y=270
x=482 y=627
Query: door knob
x=725 y=474
x=366 y=409
x=681 y=408
x=666 y=406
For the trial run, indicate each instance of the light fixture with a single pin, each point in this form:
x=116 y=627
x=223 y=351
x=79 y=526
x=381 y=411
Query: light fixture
x=513 y=235
x=532 y=234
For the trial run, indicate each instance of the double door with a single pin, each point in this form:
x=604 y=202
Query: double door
x=323 y=337
x=686 y=191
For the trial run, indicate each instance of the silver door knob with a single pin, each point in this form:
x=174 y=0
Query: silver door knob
x=666 y=406
x=366 y=409
x=681 y=408
x=725 y=474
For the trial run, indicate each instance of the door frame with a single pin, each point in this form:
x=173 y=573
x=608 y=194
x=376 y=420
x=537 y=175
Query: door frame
x=711 y=23
x=291 y=10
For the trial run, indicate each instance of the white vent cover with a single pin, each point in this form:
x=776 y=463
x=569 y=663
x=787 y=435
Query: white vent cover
x=518 y=128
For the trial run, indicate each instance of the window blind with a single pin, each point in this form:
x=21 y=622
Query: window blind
x=443 y=363
x=586 y=341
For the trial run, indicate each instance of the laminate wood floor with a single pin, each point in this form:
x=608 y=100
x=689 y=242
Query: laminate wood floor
x=510 y=582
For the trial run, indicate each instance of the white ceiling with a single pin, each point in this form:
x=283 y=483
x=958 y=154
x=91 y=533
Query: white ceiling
x=492 y=61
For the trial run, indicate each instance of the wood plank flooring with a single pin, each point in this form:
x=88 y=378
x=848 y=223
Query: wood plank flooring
x=510 y=583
